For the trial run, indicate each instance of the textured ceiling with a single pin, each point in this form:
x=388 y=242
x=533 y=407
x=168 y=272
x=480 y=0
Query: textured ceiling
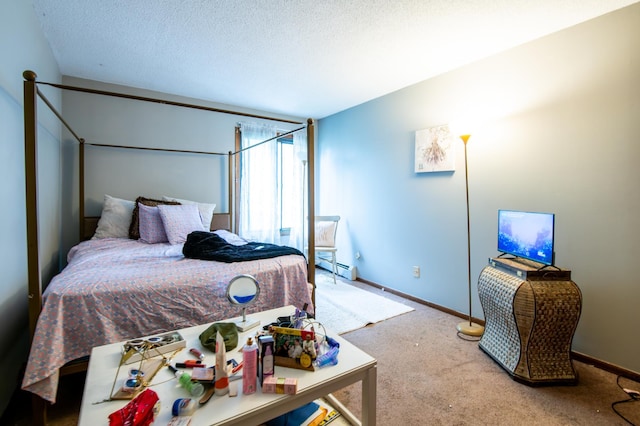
x=306 y=58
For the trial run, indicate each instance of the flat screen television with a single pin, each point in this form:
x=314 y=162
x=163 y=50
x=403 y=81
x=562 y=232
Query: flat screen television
x=527 y=235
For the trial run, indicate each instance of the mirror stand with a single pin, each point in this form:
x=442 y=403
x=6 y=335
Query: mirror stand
x=246 y=324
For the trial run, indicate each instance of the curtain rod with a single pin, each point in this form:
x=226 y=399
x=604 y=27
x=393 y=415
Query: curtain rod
x=164 y=102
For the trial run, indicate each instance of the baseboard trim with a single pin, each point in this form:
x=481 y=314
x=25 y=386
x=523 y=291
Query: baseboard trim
x=421 y=301
x=586 y=359
x=606 y=366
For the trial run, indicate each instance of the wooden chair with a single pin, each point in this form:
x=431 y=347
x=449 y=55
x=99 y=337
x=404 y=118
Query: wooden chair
x=325 y=239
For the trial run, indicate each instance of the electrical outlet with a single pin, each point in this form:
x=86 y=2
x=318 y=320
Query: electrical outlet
x=416 y=272
x=357 y=255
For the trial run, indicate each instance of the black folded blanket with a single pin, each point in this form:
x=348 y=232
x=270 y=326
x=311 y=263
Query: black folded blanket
x=209 y=246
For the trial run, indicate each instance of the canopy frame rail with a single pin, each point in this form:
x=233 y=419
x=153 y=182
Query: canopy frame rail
x=165 y=102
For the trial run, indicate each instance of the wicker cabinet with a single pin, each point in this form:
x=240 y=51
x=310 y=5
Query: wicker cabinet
x=530 y=317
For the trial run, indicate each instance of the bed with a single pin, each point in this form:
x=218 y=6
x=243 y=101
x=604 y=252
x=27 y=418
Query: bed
x=117 y=288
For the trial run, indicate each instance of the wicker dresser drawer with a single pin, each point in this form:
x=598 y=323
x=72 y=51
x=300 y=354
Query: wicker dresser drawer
x=529 y=325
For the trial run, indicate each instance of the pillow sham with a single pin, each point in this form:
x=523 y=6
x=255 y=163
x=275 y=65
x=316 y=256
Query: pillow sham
x=179 y=221
x=134 y=229
x=115 y=218
x=205 y=209
x=151 y=226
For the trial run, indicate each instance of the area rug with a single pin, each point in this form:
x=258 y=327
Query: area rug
x=343 y=307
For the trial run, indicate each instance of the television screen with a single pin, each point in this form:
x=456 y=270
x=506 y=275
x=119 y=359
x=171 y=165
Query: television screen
x=526 y=234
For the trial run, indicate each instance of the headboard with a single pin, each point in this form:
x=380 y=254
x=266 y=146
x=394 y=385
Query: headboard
x=219 y=221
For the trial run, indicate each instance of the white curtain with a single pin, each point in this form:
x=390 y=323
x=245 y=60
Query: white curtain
x=259 y=212
x=298 y=236
x=260 y=202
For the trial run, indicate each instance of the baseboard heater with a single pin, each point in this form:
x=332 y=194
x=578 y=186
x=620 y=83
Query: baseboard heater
x=345 y=271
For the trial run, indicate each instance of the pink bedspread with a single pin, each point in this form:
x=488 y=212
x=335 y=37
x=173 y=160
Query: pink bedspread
x=119 y=289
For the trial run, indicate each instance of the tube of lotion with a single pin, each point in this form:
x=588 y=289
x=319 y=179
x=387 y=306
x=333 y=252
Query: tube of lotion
x=221 y=384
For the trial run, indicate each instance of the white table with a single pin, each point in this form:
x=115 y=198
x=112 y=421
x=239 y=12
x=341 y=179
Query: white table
x=353 y=366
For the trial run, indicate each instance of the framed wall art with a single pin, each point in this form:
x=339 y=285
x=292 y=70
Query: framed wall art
x=434 y=150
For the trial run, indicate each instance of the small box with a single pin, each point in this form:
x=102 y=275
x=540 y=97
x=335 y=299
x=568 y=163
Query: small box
x=204 y=374
x=267 y=362
x=281 y=385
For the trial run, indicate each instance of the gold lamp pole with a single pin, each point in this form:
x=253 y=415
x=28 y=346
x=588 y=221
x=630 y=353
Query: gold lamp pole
x=468 y=328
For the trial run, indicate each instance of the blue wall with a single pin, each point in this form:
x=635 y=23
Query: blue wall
x=556 y=124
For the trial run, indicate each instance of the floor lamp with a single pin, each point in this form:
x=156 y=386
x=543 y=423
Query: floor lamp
x=468 y=328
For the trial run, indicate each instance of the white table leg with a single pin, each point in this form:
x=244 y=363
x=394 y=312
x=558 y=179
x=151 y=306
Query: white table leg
x=369 y=396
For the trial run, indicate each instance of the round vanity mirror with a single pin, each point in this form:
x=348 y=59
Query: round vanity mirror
x=243 y=290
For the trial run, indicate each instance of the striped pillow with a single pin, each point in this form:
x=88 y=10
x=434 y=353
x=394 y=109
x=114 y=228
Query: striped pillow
x=150 y=224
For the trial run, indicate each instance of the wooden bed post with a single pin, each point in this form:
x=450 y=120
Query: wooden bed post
x=234 y=181
x=34 y=278
x=311 y=263
x=230 y=189
x=31 y=177
x=81 y=236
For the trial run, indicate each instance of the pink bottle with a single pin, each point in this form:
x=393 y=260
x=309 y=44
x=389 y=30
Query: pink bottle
x=250 y=367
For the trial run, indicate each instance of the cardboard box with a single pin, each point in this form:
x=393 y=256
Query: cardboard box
x=281 y=385
x=266 y=366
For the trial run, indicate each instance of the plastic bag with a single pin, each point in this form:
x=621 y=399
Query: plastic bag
x=141 y=411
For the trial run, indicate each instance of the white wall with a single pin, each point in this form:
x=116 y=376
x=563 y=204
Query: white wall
x=558 y=123
x=22 y=47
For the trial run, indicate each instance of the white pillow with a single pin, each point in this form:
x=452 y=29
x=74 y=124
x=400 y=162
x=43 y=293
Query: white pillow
x=115 y=218
x=325 y=234
x=205 y=209
x=179 y=221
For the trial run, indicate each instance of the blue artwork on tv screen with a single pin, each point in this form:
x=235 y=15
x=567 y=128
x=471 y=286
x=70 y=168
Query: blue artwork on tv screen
x=526 y=234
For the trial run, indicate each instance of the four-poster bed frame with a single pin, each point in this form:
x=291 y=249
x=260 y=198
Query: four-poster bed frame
x=87 y=225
